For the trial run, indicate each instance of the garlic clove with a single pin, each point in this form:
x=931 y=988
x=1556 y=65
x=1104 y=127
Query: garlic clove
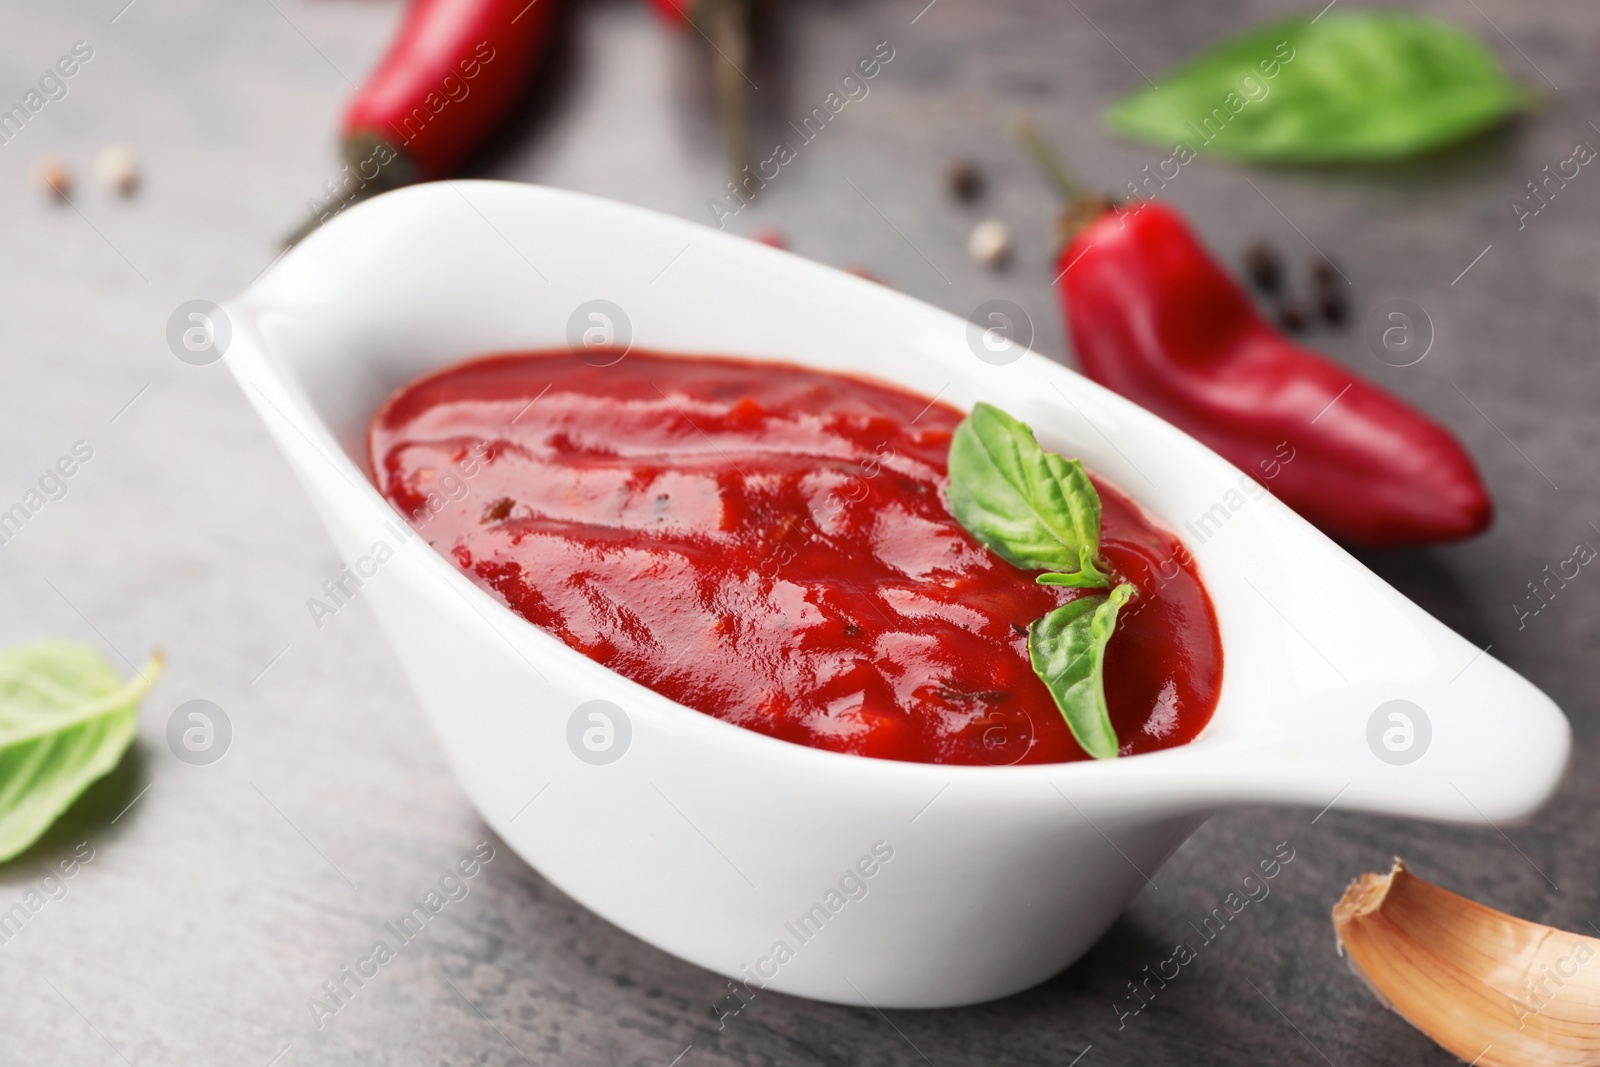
x=1496 y=990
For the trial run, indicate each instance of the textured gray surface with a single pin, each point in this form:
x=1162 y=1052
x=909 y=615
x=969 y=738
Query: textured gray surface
x=227 y=894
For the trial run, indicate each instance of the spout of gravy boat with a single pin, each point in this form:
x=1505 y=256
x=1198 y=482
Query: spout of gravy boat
x=782 y=867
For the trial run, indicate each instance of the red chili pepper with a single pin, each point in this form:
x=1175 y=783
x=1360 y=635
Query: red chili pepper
x=452 y=73
x=450 y=76
x=1154 y=318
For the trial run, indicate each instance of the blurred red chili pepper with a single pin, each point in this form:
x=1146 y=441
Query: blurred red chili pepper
x=673 y=10
x=450 y=76
x=1153 y=317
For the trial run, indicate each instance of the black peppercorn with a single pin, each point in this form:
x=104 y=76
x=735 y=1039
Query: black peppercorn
x=1325 y=273
x=964 y=181
x=1264 y=266
x=1331 y=303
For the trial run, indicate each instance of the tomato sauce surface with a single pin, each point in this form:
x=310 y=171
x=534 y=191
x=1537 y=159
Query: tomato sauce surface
x=771 y=545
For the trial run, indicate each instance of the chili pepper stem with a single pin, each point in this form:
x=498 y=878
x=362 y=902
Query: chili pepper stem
x=730 y=36
x=1081 y=207
x=301 y=232
x=1064 y=180
x=395 y=169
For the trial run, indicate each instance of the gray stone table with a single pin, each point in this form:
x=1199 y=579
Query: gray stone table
x=219 y=898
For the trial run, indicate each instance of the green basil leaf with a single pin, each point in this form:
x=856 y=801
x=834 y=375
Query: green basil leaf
x=1034 y=509
x=66 y=718
x=1068 y=650
x=1350 y=86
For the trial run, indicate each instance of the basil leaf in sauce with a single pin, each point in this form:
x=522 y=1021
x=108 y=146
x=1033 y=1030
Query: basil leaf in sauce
x=1038 y=510
x=1348 y=86
x=1035 y=509
x=1068 y=649
x=66 y=717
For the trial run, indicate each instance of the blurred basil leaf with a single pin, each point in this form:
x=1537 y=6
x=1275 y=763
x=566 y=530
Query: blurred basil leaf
x=66 y=717
x=1349 y=87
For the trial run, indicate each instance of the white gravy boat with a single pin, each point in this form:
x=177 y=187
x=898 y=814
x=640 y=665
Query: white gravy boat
x=720 y=845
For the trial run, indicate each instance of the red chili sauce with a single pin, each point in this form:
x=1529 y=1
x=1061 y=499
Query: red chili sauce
x=772 y=546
